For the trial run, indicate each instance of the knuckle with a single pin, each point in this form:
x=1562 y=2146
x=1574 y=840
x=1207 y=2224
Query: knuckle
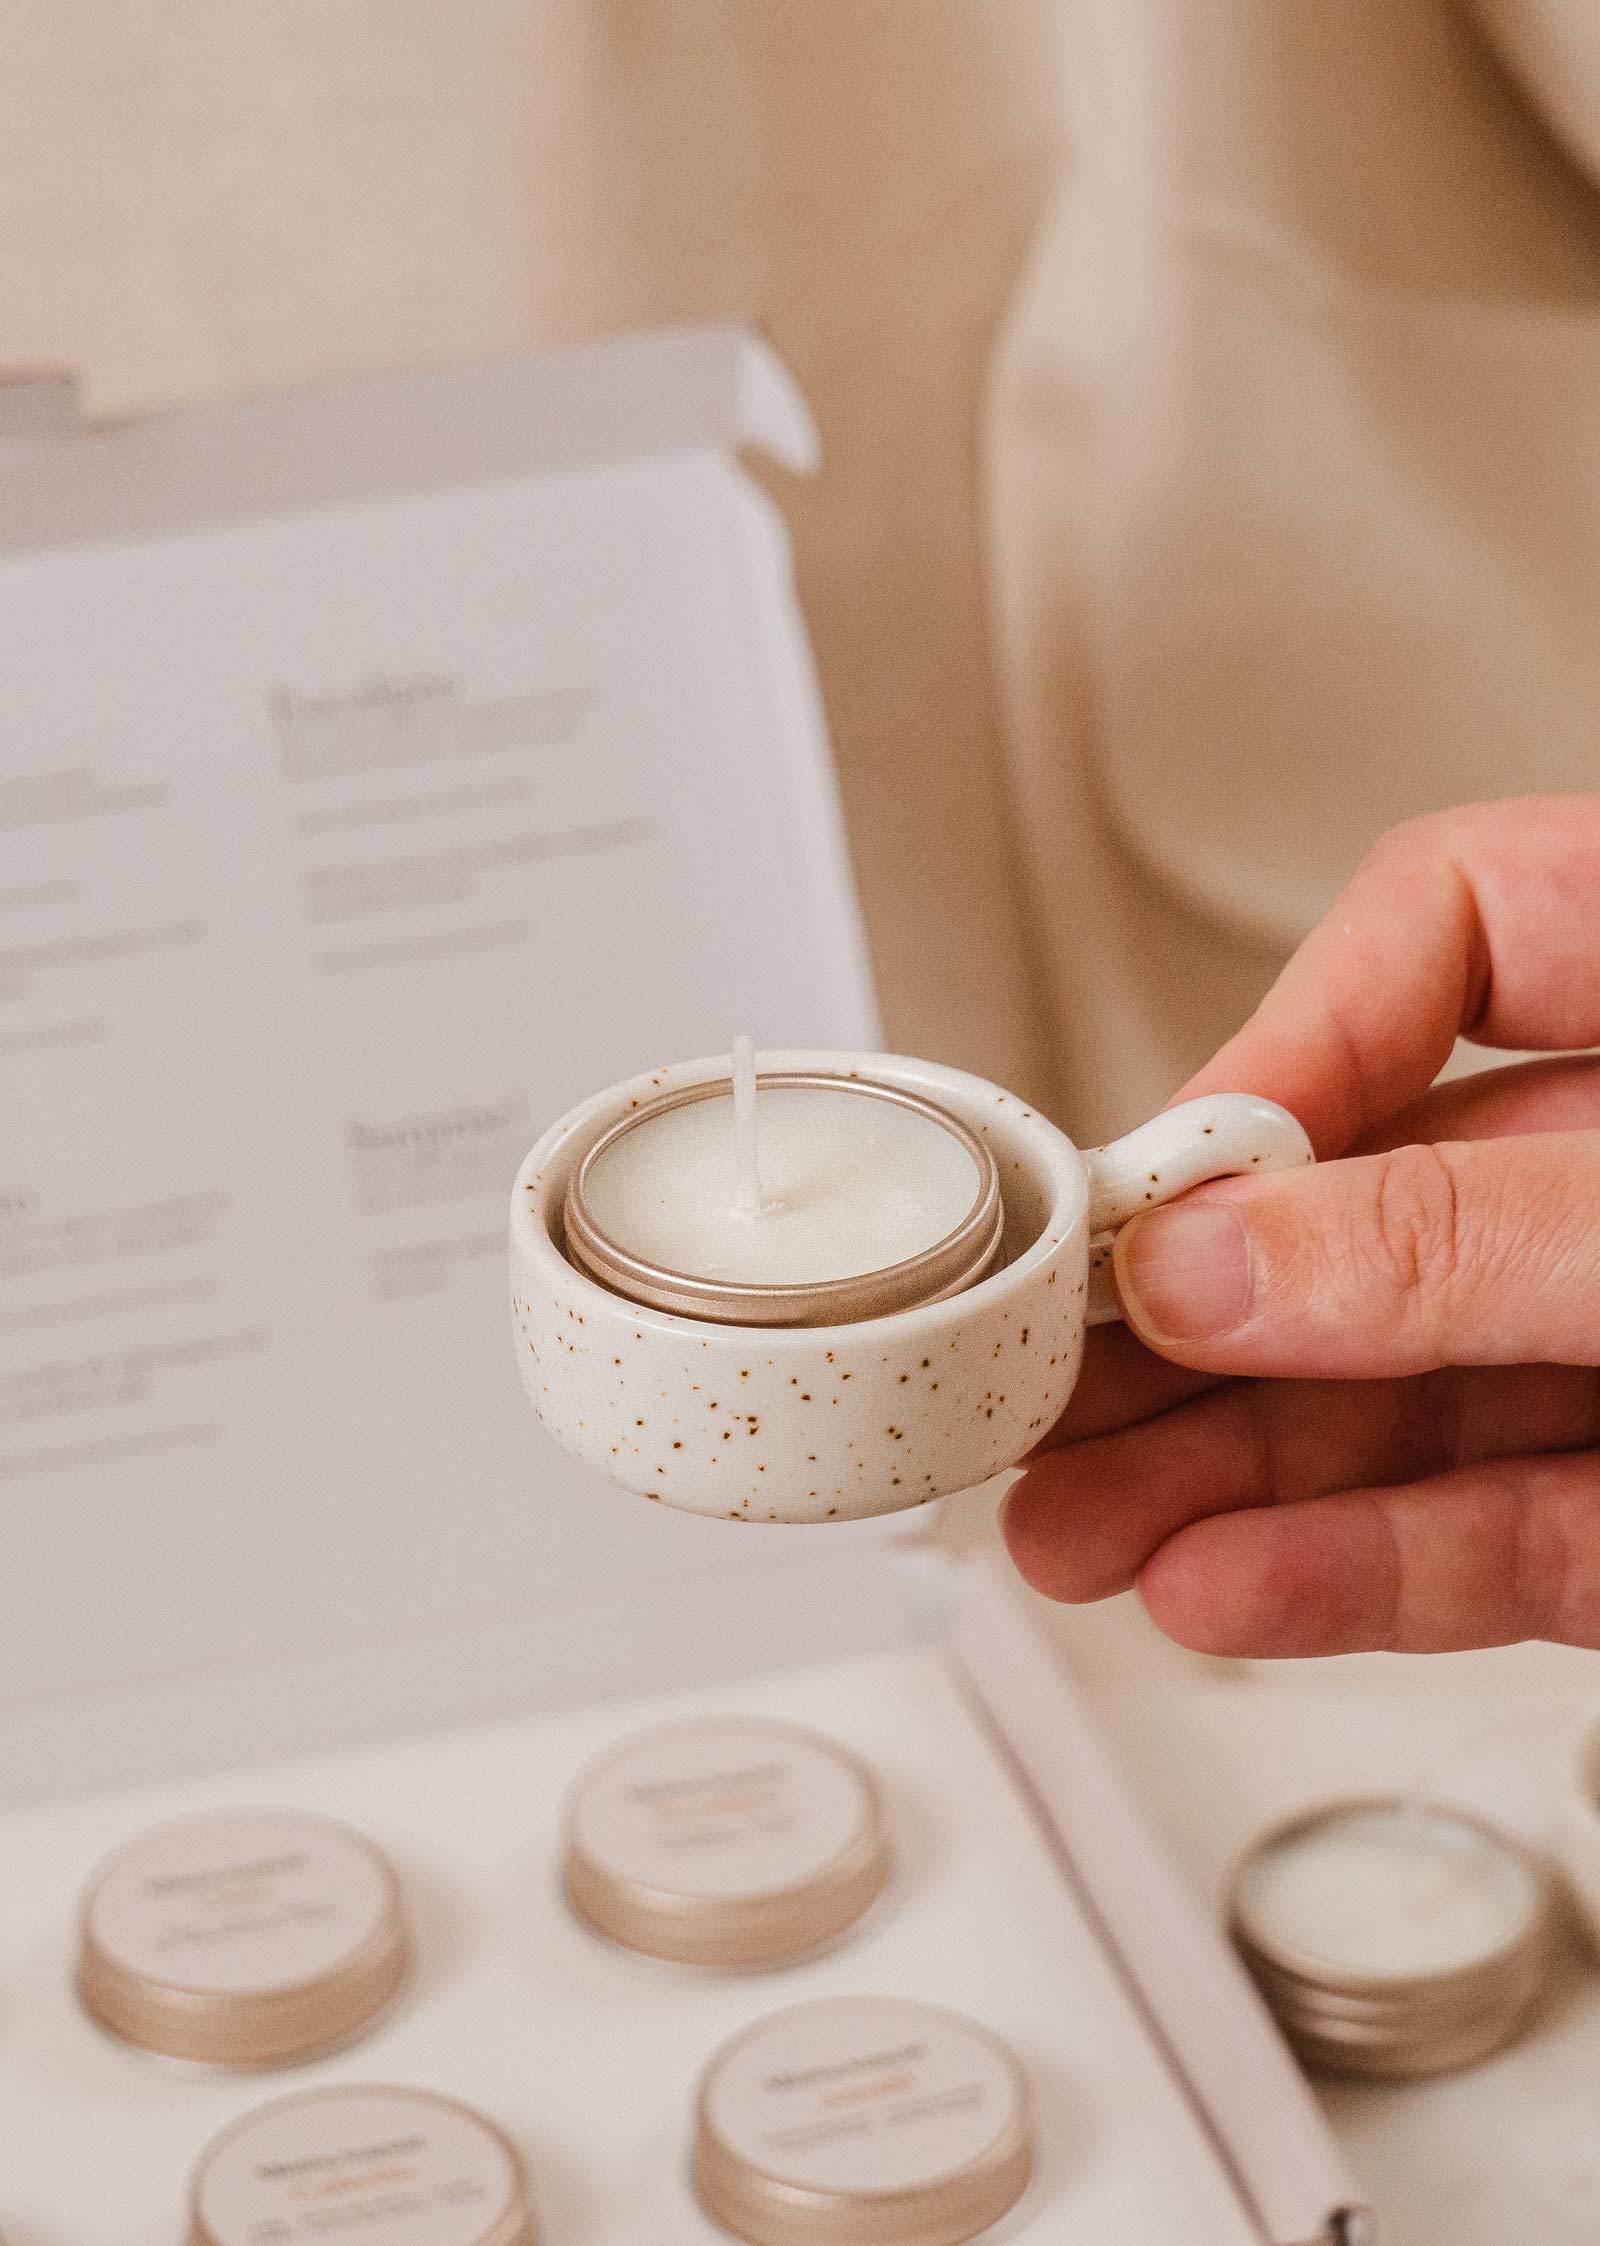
x=1413 y=842
x=1545 y=1570
x=1417 y=1232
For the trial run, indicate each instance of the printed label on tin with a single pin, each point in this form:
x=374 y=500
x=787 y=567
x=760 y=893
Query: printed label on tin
x=398 y=2167
x=862 y=2095
x=234 y=1904
x=721 y=1809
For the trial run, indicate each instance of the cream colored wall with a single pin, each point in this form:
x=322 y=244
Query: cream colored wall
x=209 y=194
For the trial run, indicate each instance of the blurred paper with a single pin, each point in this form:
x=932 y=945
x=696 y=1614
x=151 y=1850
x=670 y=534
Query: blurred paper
x=342 y=845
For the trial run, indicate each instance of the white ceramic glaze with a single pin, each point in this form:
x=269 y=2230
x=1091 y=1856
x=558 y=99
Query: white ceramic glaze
x=1229 y=1134
x=819 y=1423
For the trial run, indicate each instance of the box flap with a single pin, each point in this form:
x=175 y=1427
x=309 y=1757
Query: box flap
x=453 y=748
x=679 y=389
x=1221 y=2042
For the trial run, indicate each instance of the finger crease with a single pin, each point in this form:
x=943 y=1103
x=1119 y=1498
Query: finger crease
x=1450 y=1229
x=1265 y=1461
x=1477 y=994
x=1389 y=1538
x=1449 y=1429
x=1368 y=1110
x=1417 y=1221
x=1545 y=1565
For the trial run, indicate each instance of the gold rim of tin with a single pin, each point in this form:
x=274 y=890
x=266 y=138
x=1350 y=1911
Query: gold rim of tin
x=513 y=2226
x=742 y=1933
x=1461 y=2043
x=1501 y=1982
x=1336 y=2014
x=248 y=2029
x=1308 y=1970
x=947 y=1267
x=764 y=2209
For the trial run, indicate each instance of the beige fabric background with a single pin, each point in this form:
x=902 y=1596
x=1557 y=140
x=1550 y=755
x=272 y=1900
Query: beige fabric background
x=1209 y=395
x=1294 y=490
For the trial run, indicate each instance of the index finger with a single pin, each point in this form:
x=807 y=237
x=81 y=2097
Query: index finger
x=1481 y=922
x=1120 y=1382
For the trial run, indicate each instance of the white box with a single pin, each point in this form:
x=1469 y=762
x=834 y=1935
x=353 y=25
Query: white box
x=387 y=765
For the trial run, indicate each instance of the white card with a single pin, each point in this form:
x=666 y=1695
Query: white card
x=339 y=850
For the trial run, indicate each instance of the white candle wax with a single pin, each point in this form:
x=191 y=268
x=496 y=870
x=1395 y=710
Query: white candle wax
x=1388 y=1890
x=850 y=1183
x=746 y=1128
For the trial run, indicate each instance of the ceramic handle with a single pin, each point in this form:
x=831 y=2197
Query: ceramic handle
x=1227 y=1135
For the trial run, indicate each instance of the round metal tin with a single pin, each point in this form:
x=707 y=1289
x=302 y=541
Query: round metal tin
x=1397 y=2023
x=940 y=2103
x=959 y=1260
x=733 y=1843
x=402 y=2164
x=242 y=1939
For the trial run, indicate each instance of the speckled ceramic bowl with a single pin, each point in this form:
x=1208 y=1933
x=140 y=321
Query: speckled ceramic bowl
x=823 y=1423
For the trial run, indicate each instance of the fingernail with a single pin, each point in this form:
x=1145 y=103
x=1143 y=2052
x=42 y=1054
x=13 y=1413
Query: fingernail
x=1184 y=1273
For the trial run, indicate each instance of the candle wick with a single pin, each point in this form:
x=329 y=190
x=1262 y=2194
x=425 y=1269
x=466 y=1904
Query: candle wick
x=747 y=1197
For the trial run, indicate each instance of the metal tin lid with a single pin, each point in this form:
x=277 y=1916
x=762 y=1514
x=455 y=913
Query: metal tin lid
x=732 y=1842
x=938 y=2147
x=242 y=1938
x=946 y=1267
x=1374 y=2017
x=405 y=2167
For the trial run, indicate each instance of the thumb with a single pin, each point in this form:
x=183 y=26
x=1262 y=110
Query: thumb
x=1478 y=1253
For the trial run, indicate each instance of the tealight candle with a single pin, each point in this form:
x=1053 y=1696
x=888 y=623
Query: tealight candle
x=1393 y=1936
x=245 y=1938
x=875 y=2119
x=791 y=1199
x=399 y=2167
x=732 y=1841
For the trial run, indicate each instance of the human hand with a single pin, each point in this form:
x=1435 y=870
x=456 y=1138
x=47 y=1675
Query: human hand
x=1358 y=1404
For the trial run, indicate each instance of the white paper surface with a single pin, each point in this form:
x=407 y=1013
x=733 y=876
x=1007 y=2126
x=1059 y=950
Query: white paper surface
x=337 y=853
x=586 y=2055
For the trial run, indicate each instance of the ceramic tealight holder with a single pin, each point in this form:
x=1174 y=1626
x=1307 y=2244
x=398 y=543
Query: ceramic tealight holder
x=869 y=1414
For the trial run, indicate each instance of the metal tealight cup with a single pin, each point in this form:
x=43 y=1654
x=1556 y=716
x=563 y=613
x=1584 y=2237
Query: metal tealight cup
x=947 y=1267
